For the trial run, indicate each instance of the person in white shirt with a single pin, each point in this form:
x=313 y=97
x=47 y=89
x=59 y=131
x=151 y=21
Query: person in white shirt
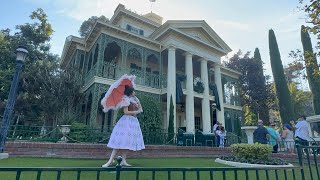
x=222 y=135
x=301 y=131
x=215 y=127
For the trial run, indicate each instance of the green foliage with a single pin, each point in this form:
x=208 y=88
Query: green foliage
x=88 y=24
x=282 y=91
x=301 y=100
x=45 y=90
x=255 y=92
x=171 y=118
x=312 y=68
x=252 y=151
x=79 y=131
x=312 y=9
x=260 y=92
x=151 y=118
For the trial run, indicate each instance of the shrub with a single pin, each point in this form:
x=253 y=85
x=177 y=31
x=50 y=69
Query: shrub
x=251 y=151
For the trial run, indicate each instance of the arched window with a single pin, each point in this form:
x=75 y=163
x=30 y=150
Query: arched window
x=90 y=62
x=96 y=52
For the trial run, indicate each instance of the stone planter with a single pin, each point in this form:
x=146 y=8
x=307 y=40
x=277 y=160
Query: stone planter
x=249 y=132
x=246 y=165
x=64 y=129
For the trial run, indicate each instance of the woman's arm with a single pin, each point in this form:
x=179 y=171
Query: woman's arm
x=139 y=104
x=284 y=134
x=127 y=112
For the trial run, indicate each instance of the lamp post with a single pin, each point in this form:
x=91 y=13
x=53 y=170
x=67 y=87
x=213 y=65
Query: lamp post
x=21 y=53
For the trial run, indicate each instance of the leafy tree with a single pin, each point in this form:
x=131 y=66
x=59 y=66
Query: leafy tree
x=171 y=118
x=254 y=89
x=282 y=91
x=88 y=24
x=312 y=9
x=301 y=100
x=45 y=89
x=312 y=69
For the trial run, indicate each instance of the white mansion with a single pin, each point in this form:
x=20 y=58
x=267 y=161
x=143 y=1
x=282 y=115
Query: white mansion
x=178 y=58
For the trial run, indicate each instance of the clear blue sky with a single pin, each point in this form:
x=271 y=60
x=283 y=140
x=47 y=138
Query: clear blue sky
x=241 y=24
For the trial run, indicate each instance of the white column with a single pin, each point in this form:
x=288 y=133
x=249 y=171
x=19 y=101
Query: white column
x=171 y=84
x=205 y=101
x=190 y=97
x=217 y=79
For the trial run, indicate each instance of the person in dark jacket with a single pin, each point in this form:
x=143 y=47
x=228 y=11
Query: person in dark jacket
x=261 y=134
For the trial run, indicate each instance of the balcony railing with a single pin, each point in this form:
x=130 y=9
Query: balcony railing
x=114 y=71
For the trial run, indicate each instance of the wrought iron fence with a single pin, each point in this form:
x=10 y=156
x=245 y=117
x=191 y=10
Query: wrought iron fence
x=307 y=169
x=98 y=135
x=125 y=173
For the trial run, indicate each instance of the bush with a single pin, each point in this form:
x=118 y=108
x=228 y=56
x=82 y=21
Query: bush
x=251 y=151
x=151 y=118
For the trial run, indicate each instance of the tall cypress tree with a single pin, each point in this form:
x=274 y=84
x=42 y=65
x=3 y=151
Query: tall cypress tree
x=312 y=68
x=261 y=88
x=283 y=94
x=171 y=118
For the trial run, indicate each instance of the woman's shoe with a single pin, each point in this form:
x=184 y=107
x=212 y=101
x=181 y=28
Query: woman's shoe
x=108 y=163
x=124 y=163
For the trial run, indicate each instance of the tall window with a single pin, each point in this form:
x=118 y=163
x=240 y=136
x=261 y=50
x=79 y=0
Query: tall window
x=95 y=57
x=81 y=63
x=197 y=122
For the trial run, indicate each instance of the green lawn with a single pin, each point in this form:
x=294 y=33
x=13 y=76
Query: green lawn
x=171 y=162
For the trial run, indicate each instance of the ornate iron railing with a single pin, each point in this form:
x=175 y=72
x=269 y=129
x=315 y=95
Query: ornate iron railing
x=152 y=173
x=144 y=78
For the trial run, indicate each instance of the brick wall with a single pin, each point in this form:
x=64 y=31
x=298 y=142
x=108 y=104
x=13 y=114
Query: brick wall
x=100 y=151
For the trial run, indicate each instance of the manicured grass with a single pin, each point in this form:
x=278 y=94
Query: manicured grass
x=171 y=162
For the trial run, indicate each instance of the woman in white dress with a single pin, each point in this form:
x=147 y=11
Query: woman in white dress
x=287 y=136
x=126 y=134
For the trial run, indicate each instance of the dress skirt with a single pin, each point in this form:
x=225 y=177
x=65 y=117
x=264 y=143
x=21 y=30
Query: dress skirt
x=127 y=134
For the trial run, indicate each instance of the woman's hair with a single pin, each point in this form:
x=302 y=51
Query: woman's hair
x=288 y=126
x=128 y=90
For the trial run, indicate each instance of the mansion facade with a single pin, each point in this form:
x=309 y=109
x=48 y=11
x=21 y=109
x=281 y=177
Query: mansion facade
x=178 y=58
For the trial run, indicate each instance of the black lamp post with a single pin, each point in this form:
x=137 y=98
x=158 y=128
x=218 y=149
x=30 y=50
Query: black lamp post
x=21 y=53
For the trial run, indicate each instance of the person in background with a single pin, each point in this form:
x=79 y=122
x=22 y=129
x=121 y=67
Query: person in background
x=216 y=127
x=274 y=137
x=288 y=138
x=222 y=133
x=261 y=134
x=301 y=131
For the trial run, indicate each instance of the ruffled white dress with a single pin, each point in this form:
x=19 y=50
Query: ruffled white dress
x=127 y=134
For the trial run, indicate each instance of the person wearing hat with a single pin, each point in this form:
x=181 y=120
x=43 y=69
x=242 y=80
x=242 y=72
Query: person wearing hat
x=288 y=138
x=274 y=137
x=261 y=134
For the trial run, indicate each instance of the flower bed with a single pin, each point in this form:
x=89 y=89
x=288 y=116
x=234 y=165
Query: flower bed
x=271 y=161
x=252 y=155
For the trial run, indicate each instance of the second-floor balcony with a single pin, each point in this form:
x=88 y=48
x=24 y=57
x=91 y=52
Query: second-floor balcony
x=114 y=71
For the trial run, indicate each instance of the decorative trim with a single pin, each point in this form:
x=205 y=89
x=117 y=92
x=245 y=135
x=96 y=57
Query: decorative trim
x=247 y=165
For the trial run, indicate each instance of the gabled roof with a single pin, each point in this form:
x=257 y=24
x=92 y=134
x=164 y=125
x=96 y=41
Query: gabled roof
x=208 y=36
x=121 y=11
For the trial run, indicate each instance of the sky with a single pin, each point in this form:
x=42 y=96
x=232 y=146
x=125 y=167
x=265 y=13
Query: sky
x=241 y=24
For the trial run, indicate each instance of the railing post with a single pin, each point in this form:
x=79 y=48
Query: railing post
x=299 y=151
x=118 y=167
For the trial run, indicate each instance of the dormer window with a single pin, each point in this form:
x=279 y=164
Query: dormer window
x=135 y=30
